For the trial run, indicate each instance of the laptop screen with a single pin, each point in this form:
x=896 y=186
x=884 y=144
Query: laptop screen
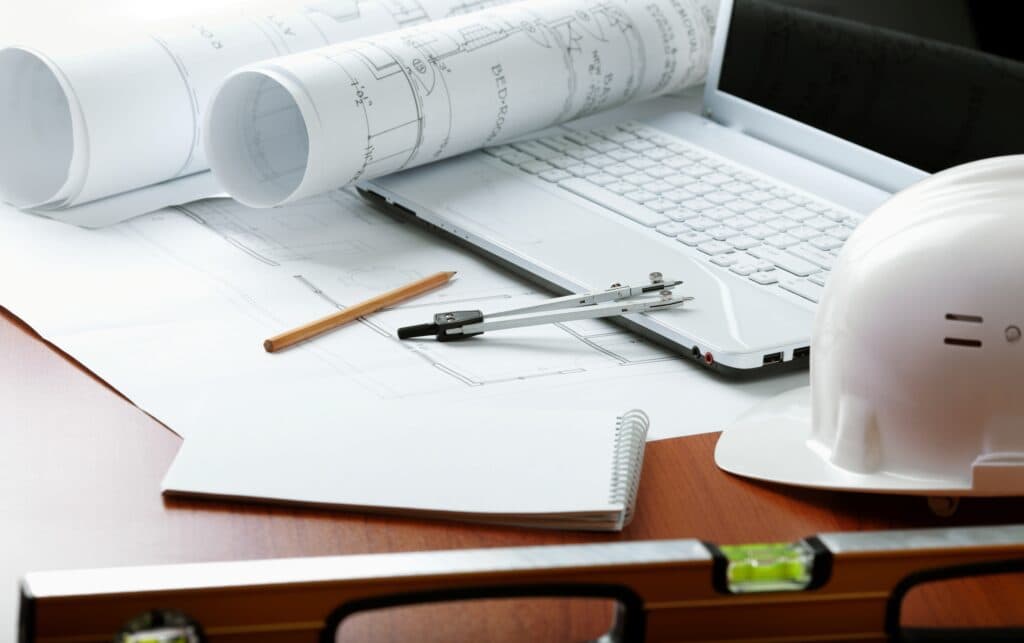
x=931 y=83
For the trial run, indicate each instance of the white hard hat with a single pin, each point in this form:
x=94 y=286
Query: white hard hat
x=917 y=360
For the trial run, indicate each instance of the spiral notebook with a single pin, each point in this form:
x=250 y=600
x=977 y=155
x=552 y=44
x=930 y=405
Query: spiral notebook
x=555 y=468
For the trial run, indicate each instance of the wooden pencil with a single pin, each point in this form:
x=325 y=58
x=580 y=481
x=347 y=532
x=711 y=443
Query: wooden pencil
x=312 y=329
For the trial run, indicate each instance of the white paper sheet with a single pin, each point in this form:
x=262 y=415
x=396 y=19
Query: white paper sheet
x=172 y=309
x=301 y=125
x=565 y=467
x=97 y=137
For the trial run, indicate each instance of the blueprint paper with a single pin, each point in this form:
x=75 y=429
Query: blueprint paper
x=301 y=125
x=172 y=309
x=96 y=137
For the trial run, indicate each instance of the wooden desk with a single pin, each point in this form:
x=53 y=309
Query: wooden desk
x=80 y=469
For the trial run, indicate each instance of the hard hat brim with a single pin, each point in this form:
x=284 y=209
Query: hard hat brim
x=772 y=442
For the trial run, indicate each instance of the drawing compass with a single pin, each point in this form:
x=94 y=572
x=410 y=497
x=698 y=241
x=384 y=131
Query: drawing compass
x=616 y=300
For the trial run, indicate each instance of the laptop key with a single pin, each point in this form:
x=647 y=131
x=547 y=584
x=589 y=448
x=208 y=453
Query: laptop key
x=514 y=157
x=784 y=260
x=559 y=143
x=714 y=247
x=777 y=205
x=641 y=196
x=737 y=187
x=638 y=145
x=620 y=187
x=659 y=205
x=807 y=290
x=740 y=205
x=615 y=135
x=579 y=152
x=657 y=154
x=640 y=163
x=781 y=224
x=677 y=162
x=819 y=223
x=614 y=202
x=660 y=171
x=619 y=169
x=722 y=232
x=700 y=189
x=536 y=150
x=719 y=198
x=764 y=278
x=603 y=146
x=681 y=214
x=536 y=167
x=759 y=196
x=693 y=238
x=803 y=233
x=743 y=242
x=582 y=170
x=761 y=216
x=658 y=187
x=747 y=266
x=825 y=242
x=696 y=205
x=601 y=161
x=554 y=176
x=815 y=256
x=759 y=231
x=677 y=195
x=562 y=162
x=799 y=214
x=583 y=138
x=818 y=278
x=673 y=228
x=781 y=240
x=700 y=224
x=601 y=179
x=840 y=232
x=739 y=222
x=622 y=154
x=717 y=179
x=719 y=213
x=725 y=260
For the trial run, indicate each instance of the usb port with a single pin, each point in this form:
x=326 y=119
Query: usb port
x=773 y=358
x=802 y=353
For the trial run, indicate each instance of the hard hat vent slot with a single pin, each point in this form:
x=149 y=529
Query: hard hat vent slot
x=957 y=341
x=974 y=319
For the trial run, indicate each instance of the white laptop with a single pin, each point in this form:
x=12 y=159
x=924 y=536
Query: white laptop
x=814 y=112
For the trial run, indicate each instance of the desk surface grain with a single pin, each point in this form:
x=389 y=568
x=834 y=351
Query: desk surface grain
x=80 y=471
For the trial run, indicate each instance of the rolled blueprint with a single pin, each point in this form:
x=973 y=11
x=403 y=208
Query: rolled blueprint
x=101 y=136
x=300 y=125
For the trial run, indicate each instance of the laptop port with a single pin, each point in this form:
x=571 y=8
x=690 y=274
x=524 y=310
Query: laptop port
x=772 y=358
x=802 y=353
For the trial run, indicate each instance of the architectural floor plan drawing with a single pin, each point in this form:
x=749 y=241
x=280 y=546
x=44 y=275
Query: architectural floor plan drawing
x=172 y=309
x=339 y=250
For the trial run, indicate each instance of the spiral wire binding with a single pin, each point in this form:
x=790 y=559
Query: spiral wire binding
x=630 y=440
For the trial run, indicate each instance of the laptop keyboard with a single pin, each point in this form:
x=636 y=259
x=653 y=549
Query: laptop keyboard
x=734 y=218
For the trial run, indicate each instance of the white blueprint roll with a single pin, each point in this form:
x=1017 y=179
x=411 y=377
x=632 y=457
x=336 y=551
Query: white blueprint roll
x=121 y=127
x=300 y=125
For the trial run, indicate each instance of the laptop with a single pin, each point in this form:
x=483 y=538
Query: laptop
x=814 y=112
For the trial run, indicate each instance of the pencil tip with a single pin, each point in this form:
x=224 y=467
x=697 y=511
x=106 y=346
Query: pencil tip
x=452 y=273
